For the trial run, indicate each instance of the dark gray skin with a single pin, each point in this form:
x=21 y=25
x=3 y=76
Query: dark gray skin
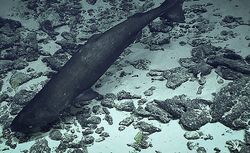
x=86 y=67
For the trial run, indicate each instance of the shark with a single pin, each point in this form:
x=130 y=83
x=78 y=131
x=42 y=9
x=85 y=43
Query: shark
x=86 y=66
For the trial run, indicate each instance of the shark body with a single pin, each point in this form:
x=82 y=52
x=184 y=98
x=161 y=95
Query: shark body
x=86 y=66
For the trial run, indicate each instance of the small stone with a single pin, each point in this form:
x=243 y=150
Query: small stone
x=88 y=139
x=108 y=103
x=199 y=91
x=192 y=145
x=217 y=150
x=121 y=128
x=201 y=150
x=100 y=139
x=87 y=131
x=94 y=120
x=125 y=95
x=148 y=93
x=99 y=130
x=220 y=81
x=192 y=135
x=105 y=134
x=146 y=127
x=127 y=121
x=109 y=119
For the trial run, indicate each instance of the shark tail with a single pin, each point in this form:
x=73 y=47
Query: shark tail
x=174 y=10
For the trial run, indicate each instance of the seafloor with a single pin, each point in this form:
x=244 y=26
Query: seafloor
x=180 y=88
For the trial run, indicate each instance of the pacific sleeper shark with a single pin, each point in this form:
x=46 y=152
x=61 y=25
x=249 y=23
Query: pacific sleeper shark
x=86 y=66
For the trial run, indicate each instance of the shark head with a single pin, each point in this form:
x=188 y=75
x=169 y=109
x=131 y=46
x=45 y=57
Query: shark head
x=28 y=122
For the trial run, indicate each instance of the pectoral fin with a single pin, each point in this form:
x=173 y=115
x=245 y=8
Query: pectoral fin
x=86 y=95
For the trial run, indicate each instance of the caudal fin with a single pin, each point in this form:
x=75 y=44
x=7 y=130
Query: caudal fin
x=174 y=10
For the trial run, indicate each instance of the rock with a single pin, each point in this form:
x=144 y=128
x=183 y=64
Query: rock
x=192 y=135
x=121 y=128
x=126 y=95
x=18 y=79
x=192 y=145
x=156 y=40
x=199 y=91
x=201 y=150
x=56 y=61
x=247 y=59
x=194 y=119
x=229 y=19
x=148 y=93
x=141 y=64
x=1 y=85
x=146 y=127
x=68 y=36
x=127 y=121
x=23 y=97
x=108 y=103
x=235 y=65
x=94 y=120
x=126 y=106
x=6 y=65
x=175 y=77
x=245 y=149
x=231 y=105
x=247 y=137
x=79 y=151
x=146 y=5
x=227 y=73
x=47 y=27
x=67 y=47
x=199 y=41
x=40 y=145
x=234 y=145
x=158 y=113
x=140 y=111
x=96 y=109
x=217 y=150
x=201 y=68
x=187 y=62
x=82 y=119
x=159 y=26
x=3 y=97
x=99 y=130
x=175 y=107
x=55 y=135
x=201 y=52
x=109 y=119
x=13 y=24
x=198 y=8
x=100 y=139
x=105 y=134
x=87 y=131
x=88 y=139
x=92 y=2
x=20 y=64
